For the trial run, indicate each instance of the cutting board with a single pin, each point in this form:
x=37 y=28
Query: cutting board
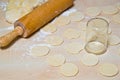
x=17 y=64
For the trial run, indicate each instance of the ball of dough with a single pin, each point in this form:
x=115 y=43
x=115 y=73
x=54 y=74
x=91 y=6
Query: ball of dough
x=54 y=40
x=39 y=51
x=108 y=69
x=56 y=60
x=89 y=59
x=69 y=69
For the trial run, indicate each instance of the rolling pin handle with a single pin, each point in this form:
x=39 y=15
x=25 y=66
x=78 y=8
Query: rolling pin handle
x=8 y=38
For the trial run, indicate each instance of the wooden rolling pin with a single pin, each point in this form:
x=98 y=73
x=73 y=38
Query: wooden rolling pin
x=41 y=15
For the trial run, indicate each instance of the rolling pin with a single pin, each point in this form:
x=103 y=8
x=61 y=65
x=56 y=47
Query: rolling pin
x=30 y=23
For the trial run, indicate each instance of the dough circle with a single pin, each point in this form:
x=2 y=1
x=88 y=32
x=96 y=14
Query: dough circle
x=56 y=60
x=49 y=28
x=69 y=69
x=93 y=11
x=108 y=69
x=116 y=18
x=76 y=16
x=54 y=40
x=39 y=51
x=110 y=10
x=74 y=47
x=89 y=59
x=62 y=21
x=113 y=40
x=71 y=33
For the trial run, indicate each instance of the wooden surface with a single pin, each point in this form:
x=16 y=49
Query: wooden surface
x=16 y=64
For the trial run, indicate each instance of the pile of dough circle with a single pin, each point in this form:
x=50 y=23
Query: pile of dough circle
x=93 y=11
x=110 y=10
x=76 y=16
x=113 y=40
x=62 y=21
x=108 y=69
x=69 y=69
x=54 y=40
x=56 y=60
x=71 y=33
x=89 y=59
x=116 y=18
x=50 y=28
x=39 y=50
x=74 y=47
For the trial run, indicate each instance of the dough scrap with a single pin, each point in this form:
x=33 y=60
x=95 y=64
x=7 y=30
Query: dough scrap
x=50 y=28
x=89 y=59
x=54 y=40
x=113 y=40
x=71 y=33
x=108 y=69
x=62 y=21
x=74 y=47
x=69 y=69
x=76 y=16
x=56 y=60
x=39 y=51
x=93 y=11
x=110 y=10
x=116 y=18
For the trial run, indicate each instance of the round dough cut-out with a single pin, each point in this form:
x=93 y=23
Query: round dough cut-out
x=108 y=69
x=116 y=18
x=89 y=60
x=54 y=40
x=39 y=51
x=50 y=28
x=76 y=16
x=62 y=21
x=113 y=40
x=110 y=10
x=69 y=69
x=74 y=47
x=71 y=33
x=93 y=11
x=56 y=60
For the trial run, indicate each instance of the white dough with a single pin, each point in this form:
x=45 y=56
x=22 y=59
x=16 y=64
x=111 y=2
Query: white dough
x=69 y=69
x=76 y=16
x=93 y=11
x=70 y=33
x=74 y=47
x=108 y=69
x=39 y=51
x=56 y=60
x=54 y=40
x=113 y=40
x=110 y=10
x=89 y=59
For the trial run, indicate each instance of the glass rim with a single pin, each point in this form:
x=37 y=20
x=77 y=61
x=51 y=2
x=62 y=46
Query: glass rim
x=98 y=18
